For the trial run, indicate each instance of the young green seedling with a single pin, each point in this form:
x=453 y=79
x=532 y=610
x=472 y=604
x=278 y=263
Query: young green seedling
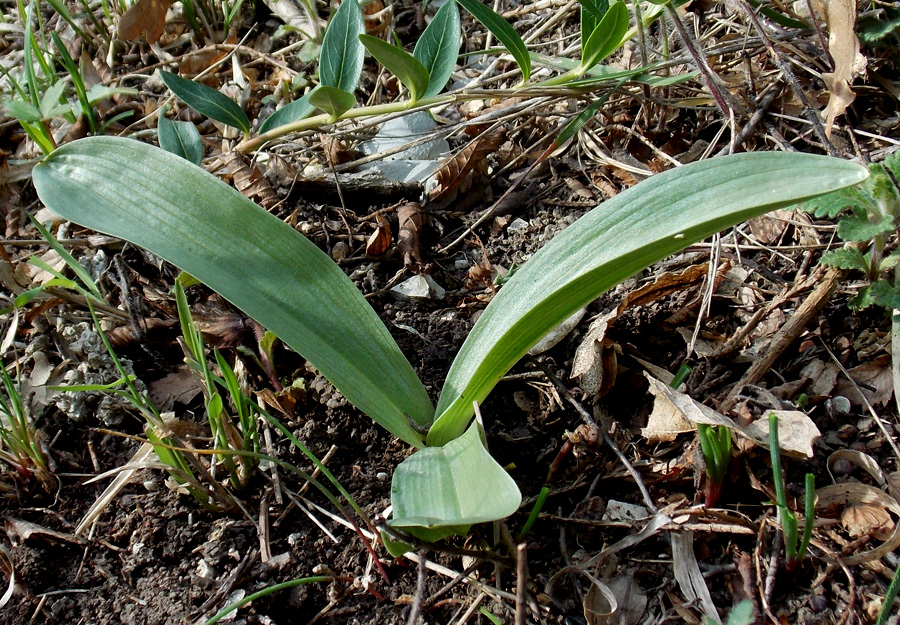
x=793 y=552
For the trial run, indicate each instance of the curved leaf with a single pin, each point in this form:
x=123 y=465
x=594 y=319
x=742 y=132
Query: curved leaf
x=342 y=55
x=592 y=11
x=333 y=101
x=607 y=36
x=400 y=63
x=505 y=33
x=296 y=110
x=180 y=138
x=440 y=491
x=263 y=266
x=207 y=101
x=638 y=227
x=438 y=47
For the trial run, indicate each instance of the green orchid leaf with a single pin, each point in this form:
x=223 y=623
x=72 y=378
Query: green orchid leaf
x=441 y=491
x=207 y=101
x=438 y=48
x=638 y=227
x=342 y=56
x=332 y=101
x=505 y=33
x=180 y=138
x=607 y=36
x=183 y=214
x=400 y=63
x=289 y=113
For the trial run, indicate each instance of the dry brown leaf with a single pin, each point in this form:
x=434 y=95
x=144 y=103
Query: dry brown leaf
x=873 y=381
x=452 y=171
x=179 y=386
x=866 y=519
x=412 y=219
x=769 y=228
x=379 y=241
x=595 y=361
x=833 y=500
x=144 y=18
x=672 y=410
x=249 y=180
x=843 y=45
x=665 y=284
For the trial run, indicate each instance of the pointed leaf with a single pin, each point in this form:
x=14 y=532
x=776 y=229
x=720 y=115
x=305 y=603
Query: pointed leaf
x=400 y=63
x=592 y=11
x=263 y=266
x=342 y=56
x=505 y=33
x=641 y=225
x=607 y=36
x=845 y=258
x=439 y=491
x=333 y=101
x=295 y=111
x=22 y=110
x=180 y=138
x=50 y=100
x=207 y=101
x=438 y=47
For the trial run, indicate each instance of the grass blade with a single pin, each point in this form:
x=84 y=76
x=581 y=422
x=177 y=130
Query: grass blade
x=262 y=265
x=438 y=48
x=505 y=33
x=639 y=226
x=207 y=101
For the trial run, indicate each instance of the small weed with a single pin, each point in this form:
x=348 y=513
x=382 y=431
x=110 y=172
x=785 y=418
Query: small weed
x=21 y=446
x=794 y=554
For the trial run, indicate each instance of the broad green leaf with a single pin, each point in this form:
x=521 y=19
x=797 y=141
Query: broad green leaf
x=592 y=11
x=886 y=295
x=638 y=227
x=263 y=266
x=295 y=111
x=207 y=101
x=400 y=63
x=333 y=101
x=21 y=110
x=861 y=229
x=832 y=204
x=50 y=105
x=342 y=56
x=180 y=138
x=845 y=258
x=438 y=47
x=100 y=92
x=505 y=33
x=439 y=491
x=607 y=36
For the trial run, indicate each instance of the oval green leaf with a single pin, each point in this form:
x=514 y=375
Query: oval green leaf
x=342 y=56
x=505 y=33
x=331 y=100
x=400 y=63
x=180 y=138
x=439 y=491
x=438 y=47
x=185 y=215
x=607 y=36
x=295 y=111
x=207 y=101
x=622 y=236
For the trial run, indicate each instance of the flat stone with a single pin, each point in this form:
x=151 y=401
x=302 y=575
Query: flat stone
x=418 y=287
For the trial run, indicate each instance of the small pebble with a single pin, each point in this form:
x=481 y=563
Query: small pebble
x=381 y=476
x=818 y=603
x=847 y=432
x=842 y=466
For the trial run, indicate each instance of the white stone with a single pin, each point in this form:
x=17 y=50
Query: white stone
x=418 y=287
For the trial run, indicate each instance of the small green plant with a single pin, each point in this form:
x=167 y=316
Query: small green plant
x=793 y=552
x=291 y=287
x=715 y=445
x=21 y=446
x=867 y=215
x=741 y=614
x=889 y=598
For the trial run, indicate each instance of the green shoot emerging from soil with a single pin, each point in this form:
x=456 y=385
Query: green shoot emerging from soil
x=793 y=552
